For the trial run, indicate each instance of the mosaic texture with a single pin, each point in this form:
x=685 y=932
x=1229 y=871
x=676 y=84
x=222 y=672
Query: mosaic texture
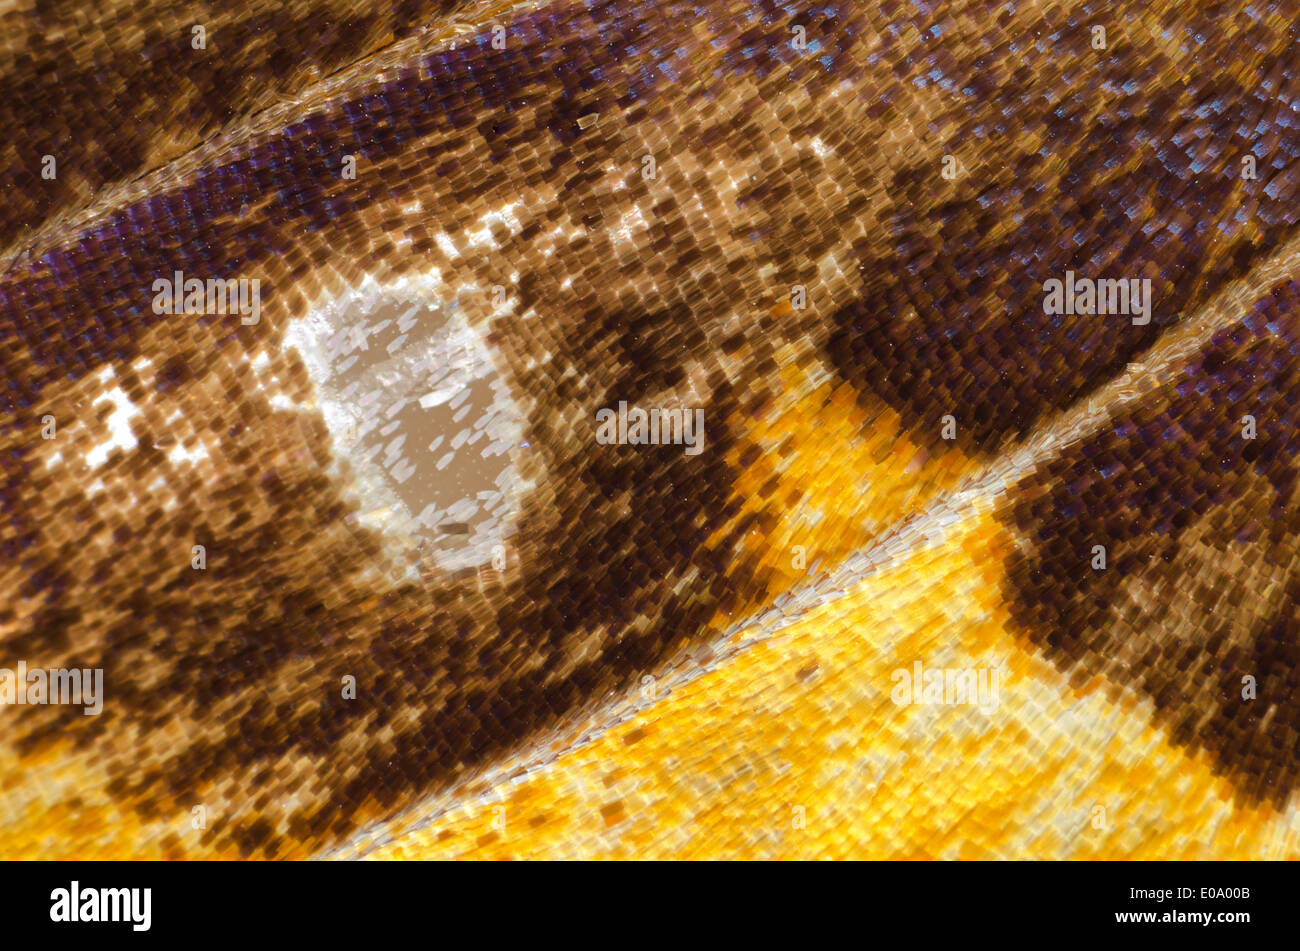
x=663 y=429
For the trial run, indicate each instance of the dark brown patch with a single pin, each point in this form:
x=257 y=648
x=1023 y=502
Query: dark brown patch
x=1088 y=162
x=1200 y=527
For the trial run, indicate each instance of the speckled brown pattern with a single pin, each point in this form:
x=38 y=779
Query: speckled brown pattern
x=776 y=167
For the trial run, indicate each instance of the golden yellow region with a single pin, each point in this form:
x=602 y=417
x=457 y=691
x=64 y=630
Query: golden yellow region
x=54 y=807
x=793 y=746
x=769 y=756
x=843 y=473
